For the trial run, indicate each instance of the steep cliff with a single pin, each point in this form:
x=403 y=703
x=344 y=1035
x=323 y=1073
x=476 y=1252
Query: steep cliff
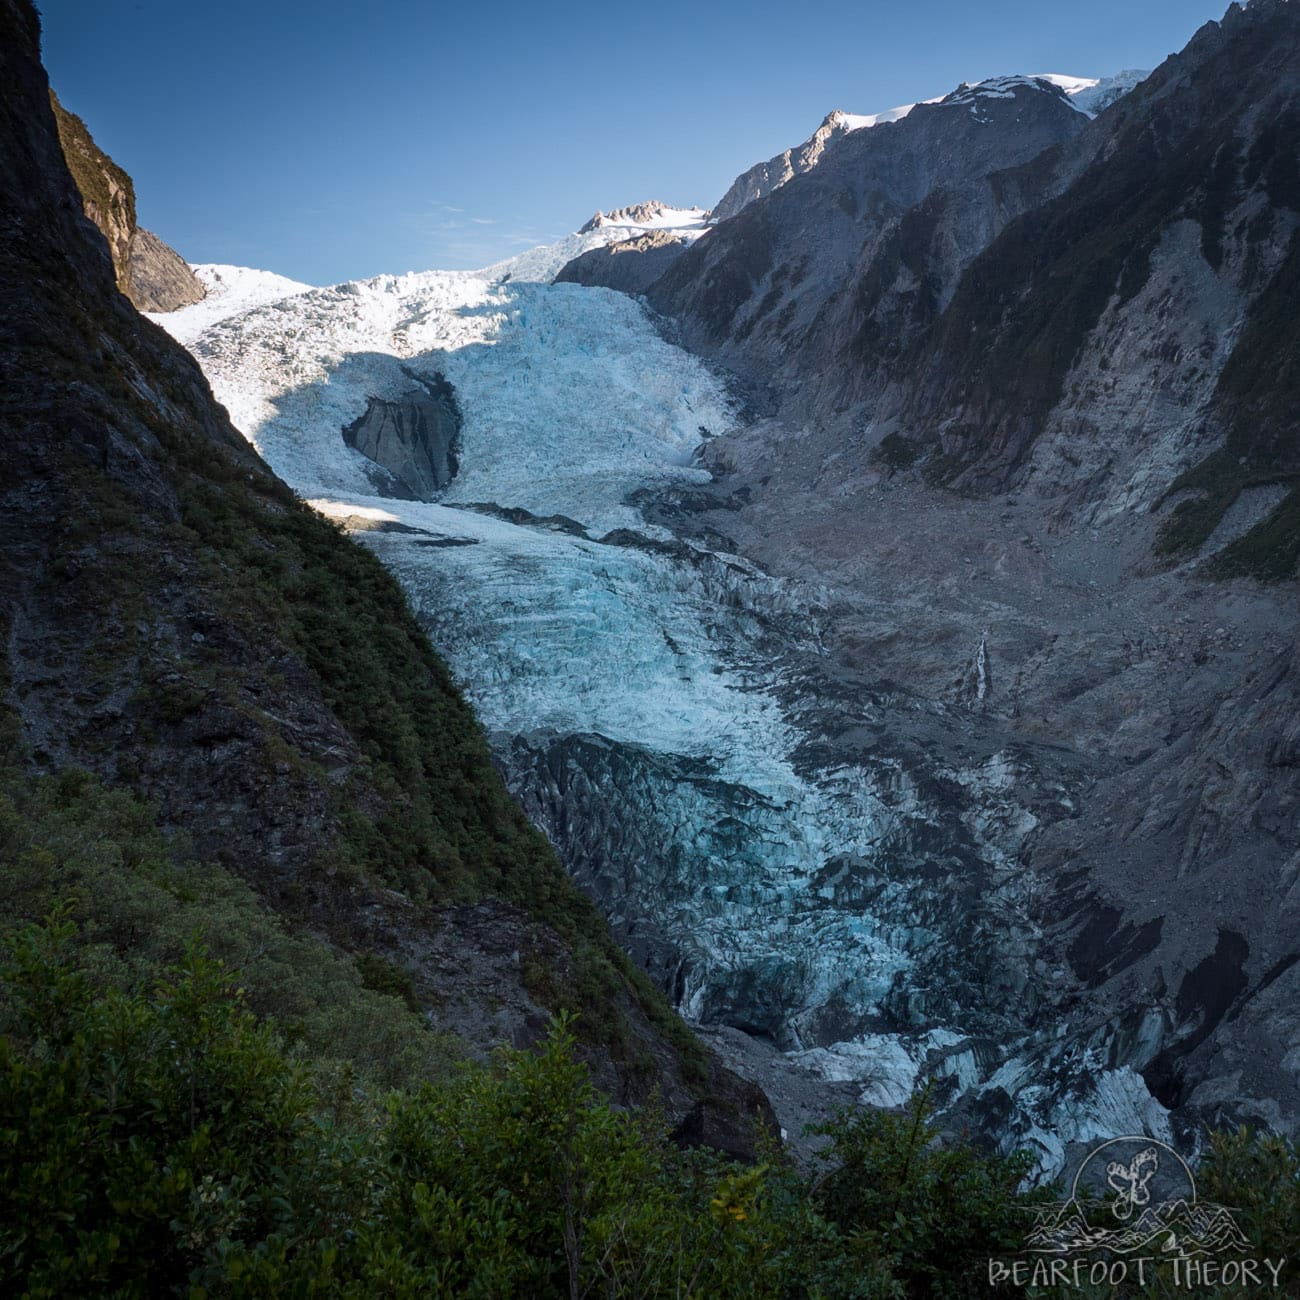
x=1127 y=343
x=872 y=238
x=176 y=621
x=762 y=178
x=630 y=266
x=1019 y=295
x=154 y=276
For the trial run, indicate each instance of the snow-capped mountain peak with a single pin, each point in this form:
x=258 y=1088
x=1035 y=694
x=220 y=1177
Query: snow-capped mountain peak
x=1094 y=96
x=1089 y=95
x=862 y=121
x=543 y=263
x=653 y=215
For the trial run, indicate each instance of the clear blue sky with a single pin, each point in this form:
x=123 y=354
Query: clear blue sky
x=343 y=138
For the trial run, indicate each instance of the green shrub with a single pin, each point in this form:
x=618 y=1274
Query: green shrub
x=383 y=976
x=138 y=899
x=155 y=1143
x=161 y=1140
x=1257 y=1176
x=931 y=1213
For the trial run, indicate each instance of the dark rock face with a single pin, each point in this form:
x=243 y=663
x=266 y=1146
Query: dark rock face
x=152 y=275
x=727 y=1126
x=762 y=178
x=631 y=266
x=1104 y=318
x=415 y=440
x=1164 y=258
x=176 y=621
x=781 y=291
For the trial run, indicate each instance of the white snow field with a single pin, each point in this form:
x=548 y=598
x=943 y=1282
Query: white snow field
x=571 y=638
x=230 y=291
x=571 y=400
x=1087 y=94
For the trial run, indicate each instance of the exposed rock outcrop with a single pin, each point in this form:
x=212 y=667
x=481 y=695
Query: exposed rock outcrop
x=874 y=237
x=1112 y=339
x=154 y=276
x=414 y=439
x=631 y=266
x=637 y=214
x=762 y=178
x=1096 y=346
x=1085 y=316
x=158 y=277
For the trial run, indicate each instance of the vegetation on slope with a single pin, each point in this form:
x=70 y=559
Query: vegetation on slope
x=93 y=170
x=423 y=812
x=157 y=1139
x=196 y=1102
x=97 y=857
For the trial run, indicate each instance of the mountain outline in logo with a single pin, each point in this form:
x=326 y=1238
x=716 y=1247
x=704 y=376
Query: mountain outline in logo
x=1135 y=1170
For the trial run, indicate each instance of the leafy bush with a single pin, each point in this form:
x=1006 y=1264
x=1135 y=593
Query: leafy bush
x=158 y=1143
x=931 y=1213
x=163 y=1141
x=1257 y=1175
x=138 y=900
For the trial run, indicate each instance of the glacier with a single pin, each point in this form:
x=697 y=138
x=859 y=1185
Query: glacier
x=662 y=710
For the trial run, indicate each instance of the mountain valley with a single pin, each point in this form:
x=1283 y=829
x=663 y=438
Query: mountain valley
x=880 y=591
x=860 y=677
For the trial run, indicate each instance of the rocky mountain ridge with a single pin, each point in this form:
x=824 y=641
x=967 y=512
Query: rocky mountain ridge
x=882 y=326
x=152 y=275
x=772 y=293
x=764 y=177
x=629 y=265
x=649 y=213
x=1088 y=94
